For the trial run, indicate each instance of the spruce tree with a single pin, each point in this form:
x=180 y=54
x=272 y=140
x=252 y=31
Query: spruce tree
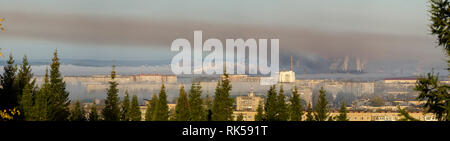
x=259 y=115
x=309 y=114
x=58 y=97
x=208 y=102
x=8 y=94
x=295 y=108
x=222 y=109
x=162 y=110
x=405 y=115
x=125 y=112
x=93 y=114
x=197 y=110
x=282 y=109
x=29 y=113
x=77 y=113
x=182 y=112
x=440 y=18
x=342 y=113
x=321 y=108
x=151 y=108
x=436 y=95
x=111 y=111
x=24 y=77
x=240 y=117
x=271 y=111
x=41 y=98
x=135 y=110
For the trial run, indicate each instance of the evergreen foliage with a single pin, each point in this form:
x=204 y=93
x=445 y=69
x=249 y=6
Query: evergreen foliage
x=197 y=110
x=342 y=113
x=58 y=98
x=77 y=113
x=135 y=110
x=111 y=111
x=8 y=93
x=222 y=109
x=162 y=110
x=151 y=108
x=270 y=108
x=125 y=108
x=259 y=115
x=321 y=110
x=93 y=114
x=182 y=110
x=295 y=108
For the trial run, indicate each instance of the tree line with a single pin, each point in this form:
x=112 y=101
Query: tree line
x=47 y=102
x=22 y=99
x=275 y=108
x=190 y=106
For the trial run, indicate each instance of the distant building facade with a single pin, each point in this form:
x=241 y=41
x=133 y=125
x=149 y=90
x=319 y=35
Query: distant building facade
x=384 y=116
x=249 y=102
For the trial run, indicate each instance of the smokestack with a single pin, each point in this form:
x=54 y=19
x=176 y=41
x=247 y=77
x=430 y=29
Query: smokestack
x=291 y=63
x=358 y=64
x=345 y=65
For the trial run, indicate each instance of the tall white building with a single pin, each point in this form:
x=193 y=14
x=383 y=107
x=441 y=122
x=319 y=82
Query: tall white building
x=287 y=76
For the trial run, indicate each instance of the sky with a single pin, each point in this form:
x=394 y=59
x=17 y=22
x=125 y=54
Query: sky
x=386 y=33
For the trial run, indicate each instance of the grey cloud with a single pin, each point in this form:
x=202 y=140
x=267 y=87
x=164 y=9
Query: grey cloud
x=133 y=31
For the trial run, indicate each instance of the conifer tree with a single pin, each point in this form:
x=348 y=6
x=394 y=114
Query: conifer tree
x=8 y=93
x=342 y=113
x=309 y=114
x=296 y=108
x=162 y=110
x=93 y=114
x=240 y=117
x=125 y=112
x=151 y=108
x=111 y=111
x=321 y=113
x=259 y=115
x=58 y=97
x=405 y=115
x=135 y=110
x=24 y=77
x=197 y=110
x=208 y=102
x=282 y=109
x=436 y=95
x=440 y=18
x=41 y=98
x=77 y=113
x=271 y=104
x=182 y=112
x=26 y=103
x=222 y=109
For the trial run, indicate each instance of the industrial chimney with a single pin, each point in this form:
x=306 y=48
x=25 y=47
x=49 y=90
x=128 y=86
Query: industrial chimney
x=291 y=64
